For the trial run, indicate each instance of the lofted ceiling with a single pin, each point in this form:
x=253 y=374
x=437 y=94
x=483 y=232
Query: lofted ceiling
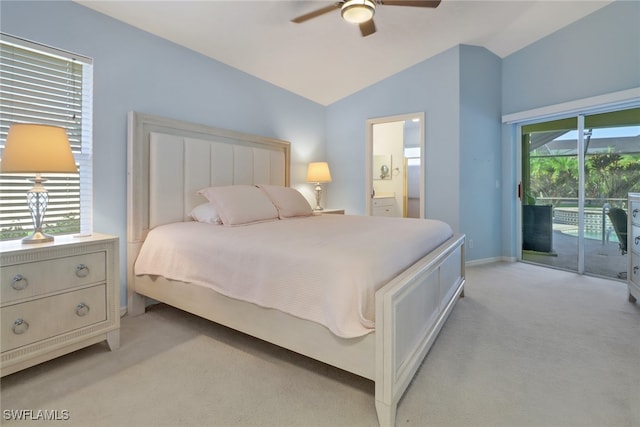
x=326 y=59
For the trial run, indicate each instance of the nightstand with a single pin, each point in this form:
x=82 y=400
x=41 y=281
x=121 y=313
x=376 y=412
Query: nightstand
x=57 y=297
x=329 y=211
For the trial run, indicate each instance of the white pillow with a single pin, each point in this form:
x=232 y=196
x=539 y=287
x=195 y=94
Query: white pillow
x=289 y=202
x=206 y=213
x=240 y=204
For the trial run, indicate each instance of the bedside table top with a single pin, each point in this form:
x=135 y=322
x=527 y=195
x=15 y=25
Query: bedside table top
x=60 y=240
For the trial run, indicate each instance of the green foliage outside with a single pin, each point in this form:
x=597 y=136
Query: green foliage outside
x=608 y=177
x=70 y=224
x=14 y=232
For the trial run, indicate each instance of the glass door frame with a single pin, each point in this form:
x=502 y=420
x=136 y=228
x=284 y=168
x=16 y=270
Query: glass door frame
x=581 y=174
x=577 y=109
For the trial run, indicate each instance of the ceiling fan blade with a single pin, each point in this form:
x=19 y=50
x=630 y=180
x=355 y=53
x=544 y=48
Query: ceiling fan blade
x=367 y=28
x=414 y=3
x=316 y=13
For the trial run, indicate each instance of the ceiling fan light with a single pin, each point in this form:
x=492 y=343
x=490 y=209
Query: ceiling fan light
x=358 y=11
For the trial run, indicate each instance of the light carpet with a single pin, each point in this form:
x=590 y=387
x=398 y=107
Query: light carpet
x=527 y=346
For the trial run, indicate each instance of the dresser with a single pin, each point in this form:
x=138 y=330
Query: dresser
x=57 y=297
x=383 y=206
x=633 y=245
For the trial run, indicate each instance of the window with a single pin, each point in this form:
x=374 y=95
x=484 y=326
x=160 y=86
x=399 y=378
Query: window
x=40 y=84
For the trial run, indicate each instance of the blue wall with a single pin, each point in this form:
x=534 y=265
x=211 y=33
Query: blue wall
x=134 y=70
x=597 y=55
x=480 y=152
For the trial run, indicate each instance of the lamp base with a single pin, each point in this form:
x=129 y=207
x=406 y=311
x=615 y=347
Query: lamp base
x=318 y=191
x=38 y=237
x=37 y=200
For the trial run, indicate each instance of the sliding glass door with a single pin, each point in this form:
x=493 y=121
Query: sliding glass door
x=612 y=170
x=576 y=173
x=550 y=185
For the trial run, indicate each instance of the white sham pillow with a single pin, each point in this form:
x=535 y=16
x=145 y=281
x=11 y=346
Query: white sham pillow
x=240 y=204
x=289 y=202
x=206 y=213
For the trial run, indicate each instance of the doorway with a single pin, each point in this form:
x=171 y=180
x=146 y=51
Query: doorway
x=395 y=166
x=575 y=173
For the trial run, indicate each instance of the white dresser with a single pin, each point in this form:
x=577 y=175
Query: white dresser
x=383 y=206
x=633 y=247
x=57 y=297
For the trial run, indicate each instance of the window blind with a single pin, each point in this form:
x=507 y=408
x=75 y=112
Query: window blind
x=40 y=84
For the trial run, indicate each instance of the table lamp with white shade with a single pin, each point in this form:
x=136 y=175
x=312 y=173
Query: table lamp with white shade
x=37 y=148
x=318 y=173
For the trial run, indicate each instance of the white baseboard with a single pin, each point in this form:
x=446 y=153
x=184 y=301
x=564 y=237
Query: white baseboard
x=489 y=261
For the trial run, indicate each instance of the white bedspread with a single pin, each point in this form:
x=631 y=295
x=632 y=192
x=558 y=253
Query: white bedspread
x=322 y=268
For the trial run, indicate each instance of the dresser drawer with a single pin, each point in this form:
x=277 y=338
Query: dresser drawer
x=28 y=322
x=635 y=239
x=634 y=273
x=41 y=277
x=634 y=211
x=384 y=211
x=383 y=201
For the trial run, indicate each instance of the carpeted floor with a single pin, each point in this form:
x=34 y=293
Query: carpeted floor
x=527 y=346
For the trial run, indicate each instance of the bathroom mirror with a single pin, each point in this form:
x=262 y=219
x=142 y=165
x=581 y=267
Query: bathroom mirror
x=381 y=166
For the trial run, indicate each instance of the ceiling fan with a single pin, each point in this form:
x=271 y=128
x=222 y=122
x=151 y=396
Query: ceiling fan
x=361 y=11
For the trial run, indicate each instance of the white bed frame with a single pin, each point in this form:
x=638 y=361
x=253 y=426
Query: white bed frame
x=169 y=160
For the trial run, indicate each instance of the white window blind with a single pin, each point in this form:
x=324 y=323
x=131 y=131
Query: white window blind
x=40 y=84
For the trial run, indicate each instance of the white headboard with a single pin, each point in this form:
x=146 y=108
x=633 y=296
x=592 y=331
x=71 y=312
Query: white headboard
x=170 y=160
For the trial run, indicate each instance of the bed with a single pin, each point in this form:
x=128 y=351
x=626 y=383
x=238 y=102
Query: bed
x=169 y=161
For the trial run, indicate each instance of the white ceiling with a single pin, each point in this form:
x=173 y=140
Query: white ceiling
x=326 y=59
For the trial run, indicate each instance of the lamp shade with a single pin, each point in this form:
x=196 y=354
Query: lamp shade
x=318 y=172
x=38 y=149
x=358 y=11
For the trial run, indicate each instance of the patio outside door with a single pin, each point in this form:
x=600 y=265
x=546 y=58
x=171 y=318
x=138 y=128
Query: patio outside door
x=575 y=171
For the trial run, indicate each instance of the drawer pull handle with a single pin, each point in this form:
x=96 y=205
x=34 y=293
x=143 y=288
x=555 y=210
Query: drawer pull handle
x=635 y=212
x=637 y=240
x=635 y=270
x=20 y=327
x=82 y=309
x=19 y=282
x=82 y=270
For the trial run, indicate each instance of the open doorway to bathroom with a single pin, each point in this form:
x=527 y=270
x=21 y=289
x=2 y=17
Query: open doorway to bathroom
x=395 y=166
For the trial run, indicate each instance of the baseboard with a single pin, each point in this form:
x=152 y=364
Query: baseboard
x=491 y=260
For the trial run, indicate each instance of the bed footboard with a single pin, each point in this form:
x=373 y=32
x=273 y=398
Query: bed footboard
x=410 y=311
